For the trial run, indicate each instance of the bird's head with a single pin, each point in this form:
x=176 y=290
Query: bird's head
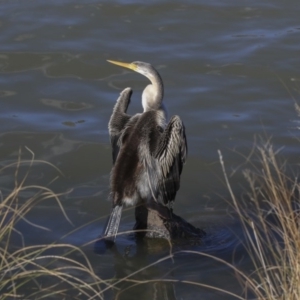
x=153 y=94
x=143 y=68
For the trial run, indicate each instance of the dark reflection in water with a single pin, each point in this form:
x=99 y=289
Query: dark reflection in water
x=127 y=264
x=231 y=71
x=154 y=269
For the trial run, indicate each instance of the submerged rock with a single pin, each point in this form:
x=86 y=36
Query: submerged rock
x=158 y=221
x=156 y=228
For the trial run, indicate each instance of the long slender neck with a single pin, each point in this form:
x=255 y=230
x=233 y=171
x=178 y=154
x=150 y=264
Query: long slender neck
x=153 y=93
x=158 y=86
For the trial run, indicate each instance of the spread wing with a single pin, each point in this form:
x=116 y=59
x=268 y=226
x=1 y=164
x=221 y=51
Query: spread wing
x=170 y=155
x=118 y=120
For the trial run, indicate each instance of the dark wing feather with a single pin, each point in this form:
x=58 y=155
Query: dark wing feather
x=118 y=120
x=171 y=154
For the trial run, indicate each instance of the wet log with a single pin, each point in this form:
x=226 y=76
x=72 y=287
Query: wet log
x=158 y=221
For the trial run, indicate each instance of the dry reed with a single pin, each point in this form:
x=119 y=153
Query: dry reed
x=269 y=214
x=35 y=272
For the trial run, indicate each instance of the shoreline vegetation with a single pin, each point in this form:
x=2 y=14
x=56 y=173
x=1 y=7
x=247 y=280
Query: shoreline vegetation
x=268 y=212
x=270 y=216
x=39 y=271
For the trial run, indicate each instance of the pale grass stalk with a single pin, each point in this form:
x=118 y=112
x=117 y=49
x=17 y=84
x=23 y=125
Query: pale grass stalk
x=199 y=284
x=271 y=244
x=29 y=264
x=271 y=227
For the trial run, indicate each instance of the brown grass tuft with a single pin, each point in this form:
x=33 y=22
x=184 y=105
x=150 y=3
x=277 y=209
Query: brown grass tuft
x=270 y=215
x=34 y=272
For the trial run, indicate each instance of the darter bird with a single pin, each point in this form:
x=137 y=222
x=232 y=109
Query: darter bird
x=148 y=153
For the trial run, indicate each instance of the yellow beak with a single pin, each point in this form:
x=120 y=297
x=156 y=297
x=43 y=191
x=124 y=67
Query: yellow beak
x=125 y=65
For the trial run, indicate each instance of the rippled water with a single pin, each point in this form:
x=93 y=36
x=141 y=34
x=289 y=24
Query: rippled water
x=231 y=71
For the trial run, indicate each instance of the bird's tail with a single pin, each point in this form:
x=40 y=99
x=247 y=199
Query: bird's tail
x=112 y=224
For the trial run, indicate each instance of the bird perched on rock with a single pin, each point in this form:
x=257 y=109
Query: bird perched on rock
x=148 y=152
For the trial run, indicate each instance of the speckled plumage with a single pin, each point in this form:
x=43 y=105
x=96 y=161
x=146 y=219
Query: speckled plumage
x=148 y=153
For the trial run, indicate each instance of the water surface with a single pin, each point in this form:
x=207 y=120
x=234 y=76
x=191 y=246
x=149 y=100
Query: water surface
x=231 y=71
